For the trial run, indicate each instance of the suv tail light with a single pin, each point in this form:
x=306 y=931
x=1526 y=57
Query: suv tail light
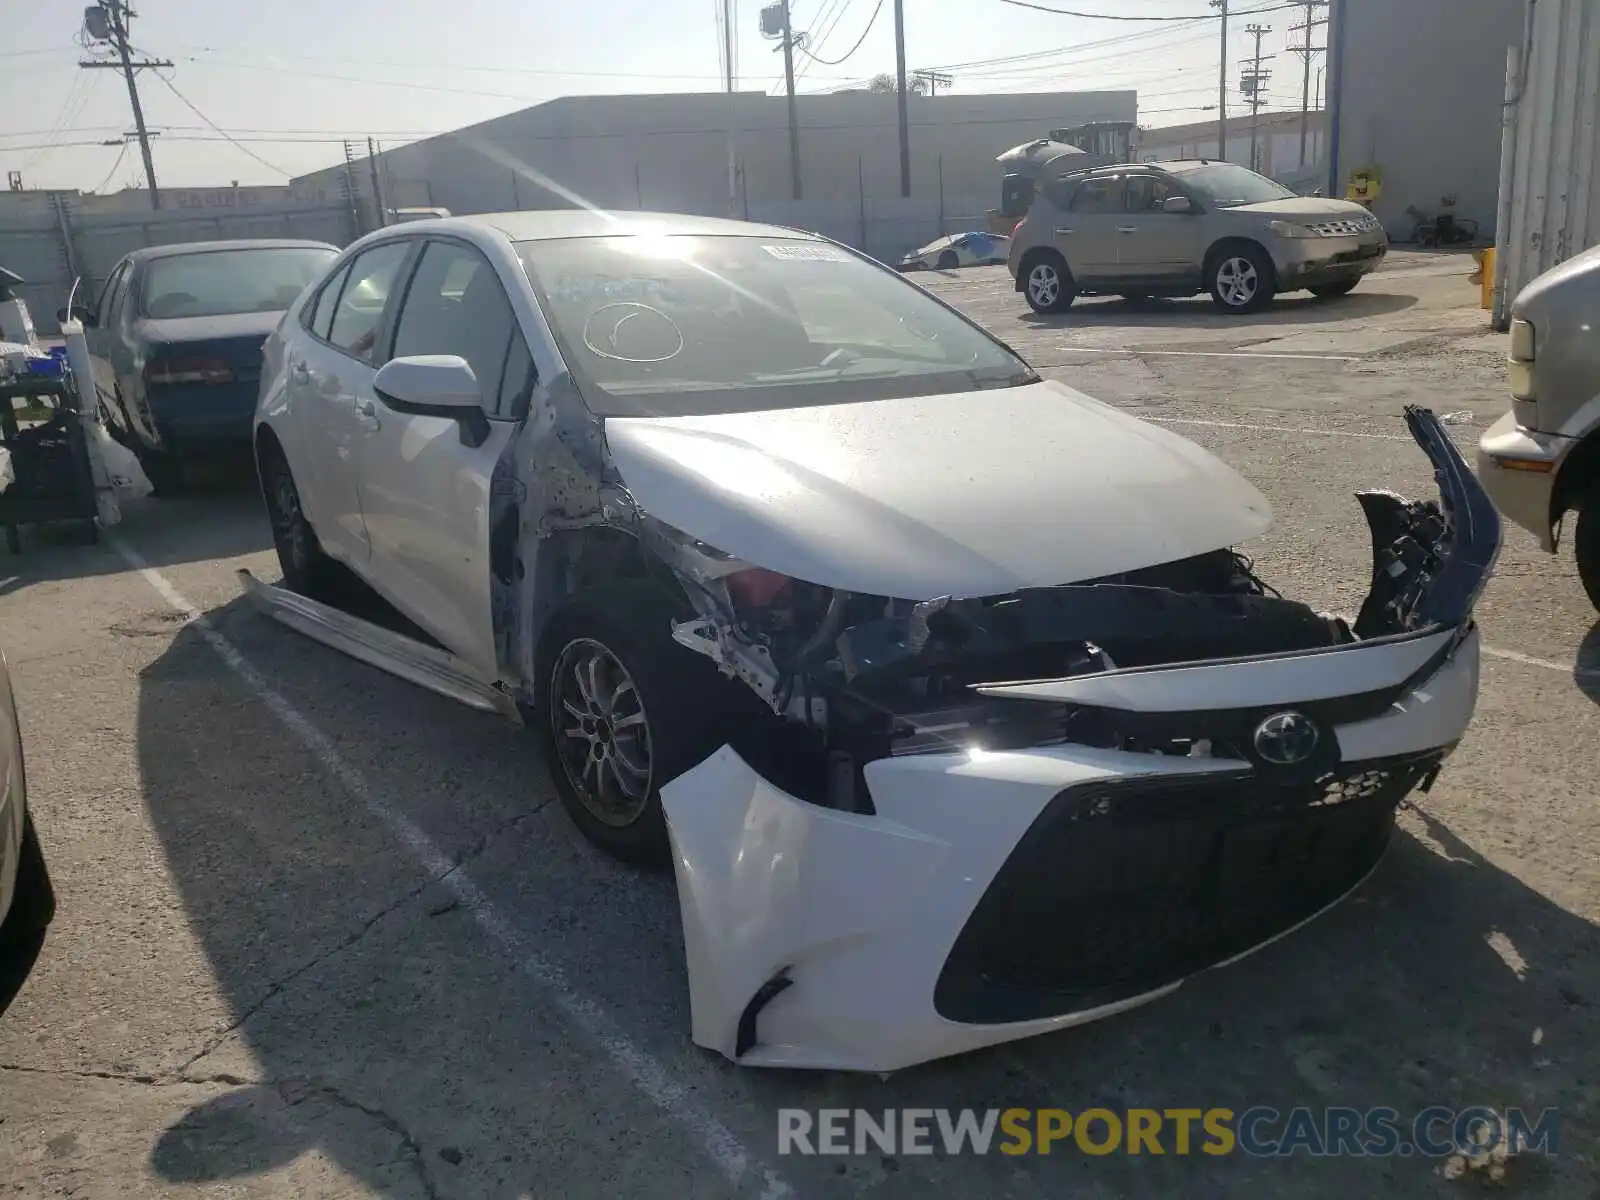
x=188 y=370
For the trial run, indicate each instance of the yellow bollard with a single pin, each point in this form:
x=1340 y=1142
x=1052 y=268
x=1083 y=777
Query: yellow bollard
x=1484 y=275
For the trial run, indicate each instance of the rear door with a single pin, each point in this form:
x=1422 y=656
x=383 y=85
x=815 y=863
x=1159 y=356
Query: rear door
x=1086 y=233
x=328 y=379
x=424 y=494
x=1155 y=245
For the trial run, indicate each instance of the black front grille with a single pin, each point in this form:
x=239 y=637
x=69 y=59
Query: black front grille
x=1123 y=886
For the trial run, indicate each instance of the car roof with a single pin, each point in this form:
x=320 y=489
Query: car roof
x=1175 y=166
x=546 y=224
x=180 y=248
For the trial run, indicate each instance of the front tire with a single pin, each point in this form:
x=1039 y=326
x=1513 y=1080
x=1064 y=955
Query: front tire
x=626 y=710
x=1048 y=284
x=1586 y=546
x=33 y=900
x=1332 y=291
x=1242 y=279
x=306 y=567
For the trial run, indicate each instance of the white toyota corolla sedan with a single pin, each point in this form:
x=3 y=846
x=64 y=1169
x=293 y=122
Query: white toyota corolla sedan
x=942 y=686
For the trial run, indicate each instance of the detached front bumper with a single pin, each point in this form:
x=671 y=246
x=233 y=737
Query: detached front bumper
x=993 y=895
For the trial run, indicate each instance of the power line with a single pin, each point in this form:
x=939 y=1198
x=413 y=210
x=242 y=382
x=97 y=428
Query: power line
x=171 y=87
x=115 y=167
x=834 y=62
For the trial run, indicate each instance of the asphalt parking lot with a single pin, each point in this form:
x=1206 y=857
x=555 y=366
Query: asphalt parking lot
x=322 y=934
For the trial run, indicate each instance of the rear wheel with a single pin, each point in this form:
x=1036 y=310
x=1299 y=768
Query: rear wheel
x=1330 y=291
x=948 y=261
x=626 y=710
x=1048 y=284
x=1241 y=279
x=307 y=569
x=1586 y=545
x=33 y=900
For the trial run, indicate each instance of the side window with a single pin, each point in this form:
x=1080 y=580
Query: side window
x=113 y=292
x=456 y=305
x=1147 y=193
x=359 y=311
x=319 y=314
x=1099 y=196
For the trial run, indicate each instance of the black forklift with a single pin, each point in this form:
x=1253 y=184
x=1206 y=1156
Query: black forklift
x=1073 y=148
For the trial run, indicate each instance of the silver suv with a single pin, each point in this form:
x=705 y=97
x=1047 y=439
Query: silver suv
x=1180 y=228
x=1542 y=459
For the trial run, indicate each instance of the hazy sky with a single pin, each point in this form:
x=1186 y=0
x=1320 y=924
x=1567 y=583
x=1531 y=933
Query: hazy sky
x=400 y=69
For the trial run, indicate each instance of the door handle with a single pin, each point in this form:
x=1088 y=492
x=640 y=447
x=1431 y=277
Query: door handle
x=1062 y=231
x=367 y=410
x=300 y=373
x=1127 y=229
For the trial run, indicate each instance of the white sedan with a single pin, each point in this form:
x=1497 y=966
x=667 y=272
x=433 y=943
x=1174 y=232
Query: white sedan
x=941 y=685
x=27 y=901
x=974 y=249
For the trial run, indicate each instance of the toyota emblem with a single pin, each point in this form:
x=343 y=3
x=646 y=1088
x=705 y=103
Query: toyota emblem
x=1286 y=739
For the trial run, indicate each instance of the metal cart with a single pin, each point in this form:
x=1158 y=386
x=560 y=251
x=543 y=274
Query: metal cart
x=53 y=480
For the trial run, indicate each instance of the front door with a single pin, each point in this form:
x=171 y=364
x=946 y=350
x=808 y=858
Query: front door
x=424 y=491
x=1157 y=246
x=331 y=379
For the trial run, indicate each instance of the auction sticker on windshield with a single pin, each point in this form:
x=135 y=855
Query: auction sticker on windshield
x=807 y=252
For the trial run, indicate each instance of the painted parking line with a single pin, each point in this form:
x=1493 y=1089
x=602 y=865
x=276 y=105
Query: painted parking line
x=737 y=1164
x=1574 y=669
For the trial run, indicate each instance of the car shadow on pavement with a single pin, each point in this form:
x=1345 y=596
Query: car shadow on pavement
x=361 y=1020
x=1586 y=672
x=16 y=964
x=1200 y=312
x=218 y=516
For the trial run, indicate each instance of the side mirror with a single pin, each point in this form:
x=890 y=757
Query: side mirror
x=1177 y=204
x=435 y=385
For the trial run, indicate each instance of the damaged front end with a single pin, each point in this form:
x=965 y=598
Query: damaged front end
x=972 y=819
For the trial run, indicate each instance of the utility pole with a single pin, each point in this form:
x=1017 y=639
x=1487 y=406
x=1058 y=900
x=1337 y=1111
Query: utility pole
x=728 y=67
x=794 y=112
x=108 y=22
x=1310 y=24
x=1222 y=86
x=932 y=81
x=377 y=185
x=1252 y=85
x=775 y=23
x=900 y=80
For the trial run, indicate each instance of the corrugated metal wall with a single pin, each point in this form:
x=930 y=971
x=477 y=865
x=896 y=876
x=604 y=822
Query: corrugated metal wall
x=50 y=239
x=1554 y=203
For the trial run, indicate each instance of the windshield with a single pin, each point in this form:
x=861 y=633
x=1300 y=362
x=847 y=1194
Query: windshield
x=214 y=283
x=1224 y=185
x=680 y=325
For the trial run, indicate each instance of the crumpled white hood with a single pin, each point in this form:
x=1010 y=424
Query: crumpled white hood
x=967 y=494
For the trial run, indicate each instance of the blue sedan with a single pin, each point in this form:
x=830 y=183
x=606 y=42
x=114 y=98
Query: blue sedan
x=176 y=339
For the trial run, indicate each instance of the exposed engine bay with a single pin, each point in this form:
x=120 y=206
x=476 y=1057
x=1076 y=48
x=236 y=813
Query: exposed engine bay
x=870 y=677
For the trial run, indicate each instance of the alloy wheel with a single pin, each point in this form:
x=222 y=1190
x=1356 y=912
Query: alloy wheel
x=1237 y=281
x=602 y=734
x=1044 y=285
x=287 y=521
